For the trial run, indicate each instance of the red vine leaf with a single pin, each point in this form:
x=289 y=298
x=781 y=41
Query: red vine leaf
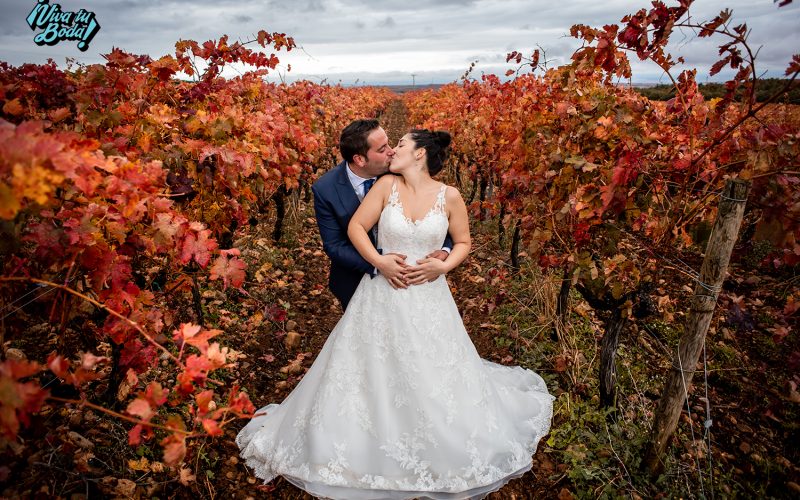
x=230 y=268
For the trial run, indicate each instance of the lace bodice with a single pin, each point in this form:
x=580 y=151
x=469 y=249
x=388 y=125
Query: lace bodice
x=415 y=239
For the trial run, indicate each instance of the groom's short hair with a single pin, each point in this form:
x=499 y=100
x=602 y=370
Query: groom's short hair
x=353 y=140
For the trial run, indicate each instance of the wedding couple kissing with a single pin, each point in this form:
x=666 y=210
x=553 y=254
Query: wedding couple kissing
x=398 y=403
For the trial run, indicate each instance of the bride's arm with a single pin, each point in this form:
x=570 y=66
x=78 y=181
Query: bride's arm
x=391 y=266
x=431 y=268
x=459 y=229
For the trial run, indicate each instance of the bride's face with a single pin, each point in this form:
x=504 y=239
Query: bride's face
x=405 y=155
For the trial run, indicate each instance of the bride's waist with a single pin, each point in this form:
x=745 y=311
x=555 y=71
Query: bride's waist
x=411 y=256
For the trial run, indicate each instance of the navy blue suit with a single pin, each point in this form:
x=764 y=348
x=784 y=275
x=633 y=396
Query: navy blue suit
x=335 y=202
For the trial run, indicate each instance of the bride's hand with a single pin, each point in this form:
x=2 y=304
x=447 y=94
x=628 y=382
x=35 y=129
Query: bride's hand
x=427 y=269
x=393 y=267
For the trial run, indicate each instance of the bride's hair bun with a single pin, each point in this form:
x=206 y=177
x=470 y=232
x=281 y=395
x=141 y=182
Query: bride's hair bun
x=443 y=138
x=435 y=144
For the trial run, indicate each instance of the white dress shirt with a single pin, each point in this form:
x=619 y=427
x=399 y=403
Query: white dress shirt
x=357 y=182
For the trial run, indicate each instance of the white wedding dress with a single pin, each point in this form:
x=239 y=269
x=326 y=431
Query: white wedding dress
x=398 y=404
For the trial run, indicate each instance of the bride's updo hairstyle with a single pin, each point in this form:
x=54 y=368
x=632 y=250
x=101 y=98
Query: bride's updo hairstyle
x=436 y=144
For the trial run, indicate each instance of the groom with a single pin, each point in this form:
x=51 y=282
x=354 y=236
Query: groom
x=365 y=149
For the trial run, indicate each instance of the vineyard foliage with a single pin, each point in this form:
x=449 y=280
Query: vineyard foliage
x=601 y=181
x=120 y=185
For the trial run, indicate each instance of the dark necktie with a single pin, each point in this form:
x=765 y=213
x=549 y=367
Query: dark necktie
x=374 y=231
x=368 y=184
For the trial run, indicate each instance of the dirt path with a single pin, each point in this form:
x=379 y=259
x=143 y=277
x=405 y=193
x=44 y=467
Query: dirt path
x=394 y=121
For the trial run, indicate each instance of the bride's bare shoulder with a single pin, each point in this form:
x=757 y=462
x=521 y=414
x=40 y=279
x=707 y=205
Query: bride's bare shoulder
x=384 y=183
x=452 y=194
x=385 y=180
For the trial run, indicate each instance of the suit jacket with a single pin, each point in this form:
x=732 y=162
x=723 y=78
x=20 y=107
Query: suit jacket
x=335 y=202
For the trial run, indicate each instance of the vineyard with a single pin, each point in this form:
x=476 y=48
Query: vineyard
x=162 y=275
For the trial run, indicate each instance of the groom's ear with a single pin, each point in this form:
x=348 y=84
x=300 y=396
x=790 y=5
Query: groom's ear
x=359 y=160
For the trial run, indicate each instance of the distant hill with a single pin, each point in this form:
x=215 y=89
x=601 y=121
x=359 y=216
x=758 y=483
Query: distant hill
x=402 y=89
x=765 y=89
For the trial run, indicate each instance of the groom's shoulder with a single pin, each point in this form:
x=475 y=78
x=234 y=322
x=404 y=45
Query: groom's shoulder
x=328 y=179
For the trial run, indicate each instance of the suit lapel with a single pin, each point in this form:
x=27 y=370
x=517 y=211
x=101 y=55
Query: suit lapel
x=347 y=196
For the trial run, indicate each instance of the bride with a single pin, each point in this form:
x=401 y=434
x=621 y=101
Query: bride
x=398 y=404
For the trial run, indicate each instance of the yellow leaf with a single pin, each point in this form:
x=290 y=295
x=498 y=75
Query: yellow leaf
x=143 y=464
x=256 y=320
x=35 y=182
x=9 y=204
x=145 y=142
x=192 y=125
x=13 y=107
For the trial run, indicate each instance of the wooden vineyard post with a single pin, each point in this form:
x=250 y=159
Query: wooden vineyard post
x=712 y=274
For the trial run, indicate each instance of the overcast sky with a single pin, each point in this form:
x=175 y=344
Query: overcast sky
x=385 y=42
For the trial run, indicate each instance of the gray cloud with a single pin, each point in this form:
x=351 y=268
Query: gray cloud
x=348 y=38
x=410 y=5
x=12 y=22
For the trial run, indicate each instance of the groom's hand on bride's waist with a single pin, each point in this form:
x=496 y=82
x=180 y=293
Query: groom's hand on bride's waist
x=436 y=254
